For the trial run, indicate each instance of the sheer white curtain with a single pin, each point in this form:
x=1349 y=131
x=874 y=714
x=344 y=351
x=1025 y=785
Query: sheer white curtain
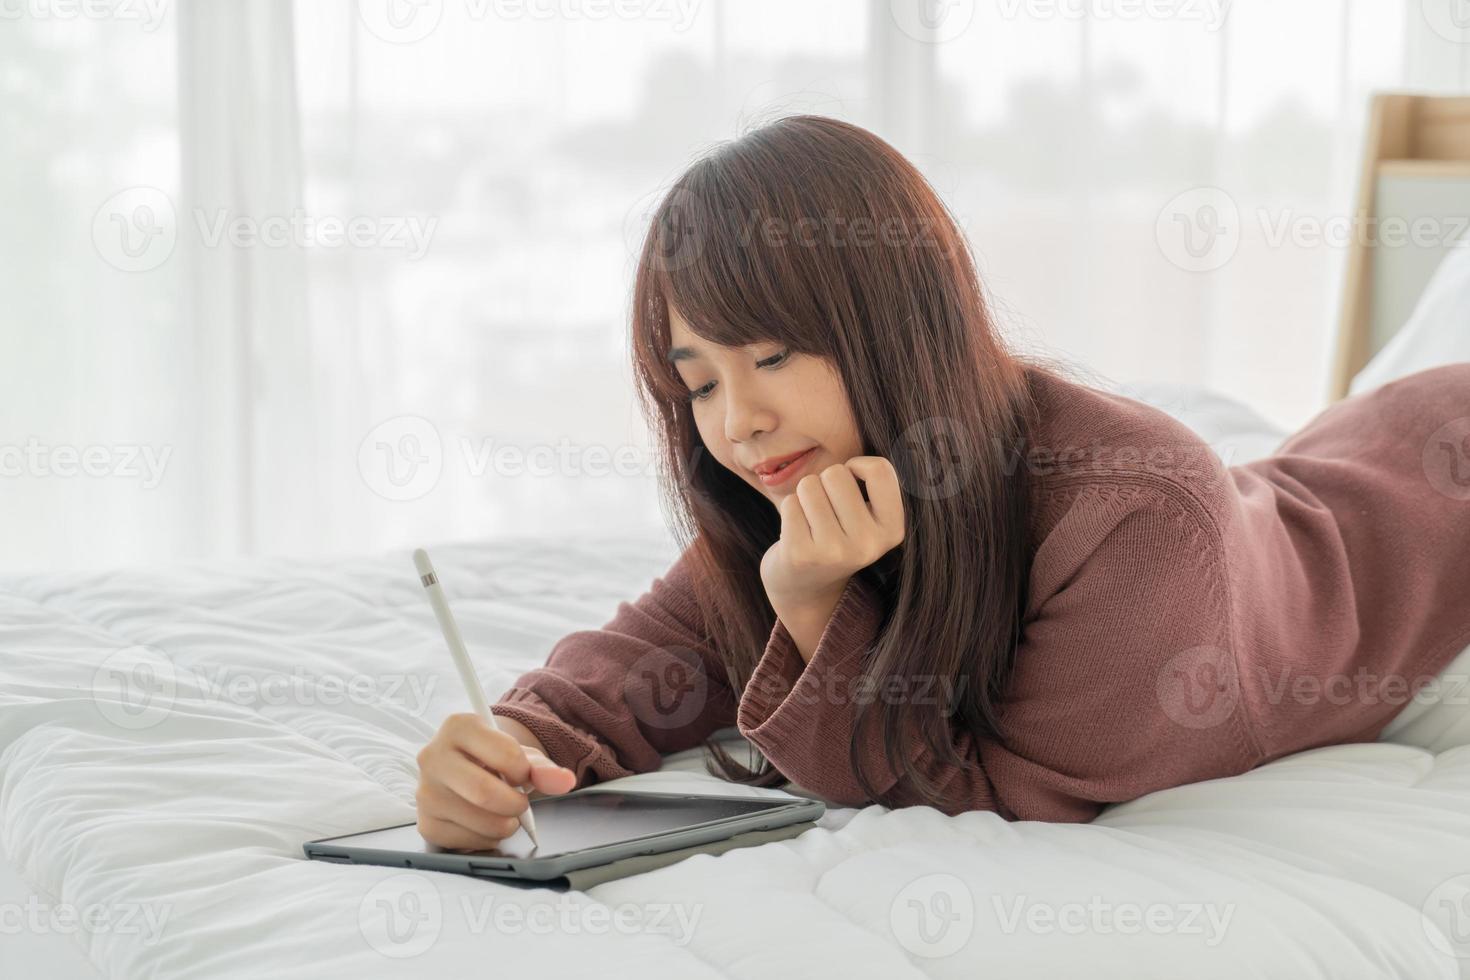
x=245 y=286
x=329 y=278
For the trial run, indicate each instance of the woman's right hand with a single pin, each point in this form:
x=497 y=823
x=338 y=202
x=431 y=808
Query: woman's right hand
x=468 y=774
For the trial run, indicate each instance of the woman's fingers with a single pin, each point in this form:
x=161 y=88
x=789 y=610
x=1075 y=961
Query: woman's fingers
x=835 y=509
x=881 y=480
x=826 y=531
x=795 y=530
x=478 y=786
x=548 y=777
x=492 y=748
x=447 y=833
x=477 y=827
x=469 y=778
x=847 y=500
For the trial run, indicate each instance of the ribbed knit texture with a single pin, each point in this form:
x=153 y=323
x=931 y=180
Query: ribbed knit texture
x=1185 y=620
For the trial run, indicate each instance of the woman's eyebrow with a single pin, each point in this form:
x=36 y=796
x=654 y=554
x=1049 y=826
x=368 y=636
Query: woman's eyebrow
x=690 y=354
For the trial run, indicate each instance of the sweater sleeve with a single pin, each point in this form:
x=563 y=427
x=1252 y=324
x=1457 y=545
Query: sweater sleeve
x=1094 y=713
x=610 y=702
x=803 y=717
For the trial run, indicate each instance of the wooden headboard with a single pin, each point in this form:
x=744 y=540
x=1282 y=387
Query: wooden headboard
x=1416 y=165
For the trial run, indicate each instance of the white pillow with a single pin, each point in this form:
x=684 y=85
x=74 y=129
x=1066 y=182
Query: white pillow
x=1437 y=332
x=1236 y=432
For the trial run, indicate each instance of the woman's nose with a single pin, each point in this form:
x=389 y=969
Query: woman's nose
x=745 y=416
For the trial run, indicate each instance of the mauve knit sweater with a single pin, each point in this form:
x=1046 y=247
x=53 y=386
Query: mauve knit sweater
x=1186 y=620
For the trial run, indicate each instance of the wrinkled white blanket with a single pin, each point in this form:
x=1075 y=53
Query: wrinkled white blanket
x=170 y=737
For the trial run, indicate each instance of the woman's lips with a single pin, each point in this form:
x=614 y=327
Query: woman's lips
x=786 y=473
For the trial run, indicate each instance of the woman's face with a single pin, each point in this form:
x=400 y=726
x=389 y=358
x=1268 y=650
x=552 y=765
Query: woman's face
x=761 y=403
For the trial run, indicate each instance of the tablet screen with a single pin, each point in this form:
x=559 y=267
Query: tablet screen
x=579 y=821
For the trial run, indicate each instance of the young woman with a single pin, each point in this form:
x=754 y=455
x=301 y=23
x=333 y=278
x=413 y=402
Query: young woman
x=979 y=584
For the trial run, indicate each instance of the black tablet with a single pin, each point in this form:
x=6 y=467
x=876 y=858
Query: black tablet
x=578 y=830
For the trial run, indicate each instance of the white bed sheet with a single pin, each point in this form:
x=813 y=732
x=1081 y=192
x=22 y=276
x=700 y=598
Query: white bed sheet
x=25 y=951
x=182 y=817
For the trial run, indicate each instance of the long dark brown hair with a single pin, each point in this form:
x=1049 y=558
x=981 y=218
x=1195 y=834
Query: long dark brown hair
x=816 y=234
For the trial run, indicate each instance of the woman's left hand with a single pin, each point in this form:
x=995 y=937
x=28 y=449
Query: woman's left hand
x=829 y=532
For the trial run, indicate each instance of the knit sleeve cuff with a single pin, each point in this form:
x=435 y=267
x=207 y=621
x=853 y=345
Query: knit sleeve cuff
x=788 y=707
x=565 y=744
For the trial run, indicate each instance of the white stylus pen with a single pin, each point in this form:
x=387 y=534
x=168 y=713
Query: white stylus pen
x=462 y=659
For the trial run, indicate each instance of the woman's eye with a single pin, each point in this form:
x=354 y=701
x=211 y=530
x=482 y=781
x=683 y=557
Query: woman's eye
x=702 y=392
